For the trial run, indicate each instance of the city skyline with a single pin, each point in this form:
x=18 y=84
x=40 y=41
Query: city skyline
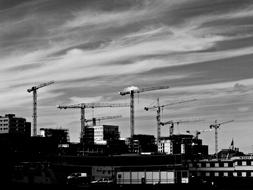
x=94 y=49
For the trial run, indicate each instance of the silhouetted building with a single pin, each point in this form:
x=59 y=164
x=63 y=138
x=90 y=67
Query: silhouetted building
x=60 y=136
x=14 y=126
x=142 y=143
x=232 y=151
x=182 y=144
x=102 y=139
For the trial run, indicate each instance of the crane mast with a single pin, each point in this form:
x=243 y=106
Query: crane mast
x=132 y=113
x=216 y=126
x=158 y=118
x=131 y=91
x=34 y=90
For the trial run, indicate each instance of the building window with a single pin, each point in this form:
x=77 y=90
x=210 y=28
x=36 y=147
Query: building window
x=208 y=165
x=251 y=174
x=225 y=164
x=207 y=174
x=244 y=163
x=244 y=174
x=184 y=174
x=216 y=174
x=225 y=174
x=239 y=163
x=216 y=165
x=230 y=174
x=235 y=174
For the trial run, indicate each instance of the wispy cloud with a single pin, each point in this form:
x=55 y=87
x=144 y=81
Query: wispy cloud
x=94 y=49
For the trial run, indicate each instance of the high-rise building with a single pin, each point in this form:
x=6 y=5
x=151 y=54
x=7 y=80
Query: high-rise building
x=9 y=124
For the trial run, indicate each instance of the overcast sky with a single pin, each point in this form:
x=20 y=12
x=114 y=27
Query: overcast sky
x=93 y=49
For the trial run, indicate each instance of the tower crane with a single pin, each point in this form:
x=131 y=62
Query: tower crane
x=131 y=91
x=34 y=90
x=216 y=126
x=95 y=119
x=171 y=122
x=158 y=108
x=83 y=106
x=198 y=132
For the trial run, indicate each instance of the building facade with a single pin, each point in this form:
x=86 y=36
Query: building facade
x=229 y=172
x=182 y=144
x=101 y=134
x=61 y=136
x=12 y=125
x=142 y=144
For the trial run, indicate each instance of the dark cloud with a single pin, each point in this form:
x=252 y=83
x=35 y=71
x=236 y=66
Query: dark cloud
x=7 y=4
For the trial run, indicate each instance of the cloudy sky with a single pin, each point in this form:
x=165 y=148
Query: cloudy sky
x=93 y=49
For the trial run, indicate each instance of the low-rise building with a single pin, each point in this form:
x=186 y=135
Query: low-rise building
x=182 y=144
x=141 y=143
x=61 y=136
x=101 y=134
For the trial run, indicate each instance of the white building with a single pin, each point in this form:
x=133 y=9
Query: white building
x=101 y=134
x=165 y=145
